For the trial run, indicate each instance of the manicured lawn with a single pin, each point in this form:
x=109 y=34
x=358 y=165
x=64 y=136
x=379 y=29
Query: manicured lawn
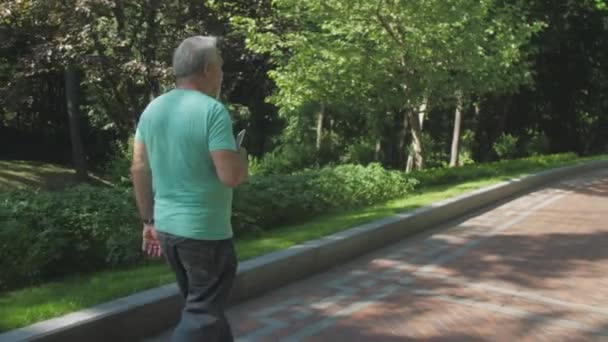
x=26 y=306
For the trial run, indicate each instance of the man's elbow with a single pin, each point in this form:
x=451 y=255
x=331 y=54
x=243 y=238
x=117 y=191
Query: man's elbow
x=139 y=168
x=231 y=180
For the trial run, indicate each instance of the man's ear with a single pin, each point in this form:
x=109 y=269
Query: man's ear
x=206 y=69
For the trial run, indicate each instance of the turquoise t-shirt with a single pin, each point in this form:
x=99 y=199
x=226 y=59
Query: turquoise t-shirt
x=179 y=130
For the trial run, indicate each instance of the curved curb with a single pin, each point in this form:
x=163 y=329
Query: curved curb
x=153 y=311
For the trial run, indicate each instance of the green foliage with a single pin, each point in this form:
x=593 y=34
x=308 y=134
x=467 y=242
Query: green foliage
x=387 y=56
x=601 y=4
x=44 y=235
x=361 y=153
x=438 y=176
x=30 y=305
x=537 y=144
x=436 y=155
x=123 y=49
x=285 y=159
x=118 y=166
x=466 y=155
x=266 y=202
x=366 y=62
x=506 y=146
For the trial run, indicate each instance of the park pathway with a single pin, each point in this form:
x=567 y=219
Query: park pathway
x=534 y=268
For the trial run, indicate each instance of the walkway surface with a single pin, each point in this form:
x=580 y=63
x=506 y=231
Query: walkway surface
x=532 y=269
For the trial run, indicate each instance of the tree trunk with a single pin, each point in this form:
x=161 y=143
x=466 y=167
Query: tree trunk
x=409 y=166
x=416 y=123
x=378 y=149
x=331 y=133
x=320 y=119
x=403 y=155
x=72 y=86
x=151 y=35
x=416 y=128
x=504 y=106
x=482 y=130
x=456 y=135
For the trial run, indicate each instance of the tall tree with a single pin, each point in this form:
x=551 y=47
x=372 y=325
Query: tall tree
x=72 y=86
x=423 y=48
x=490 y=54
x=124 y=50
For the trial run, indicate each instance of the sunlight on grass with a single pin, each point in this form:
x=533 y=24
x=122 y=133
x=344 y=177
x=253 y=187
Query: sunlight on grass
x=23 y=307
x=18 y=174
x=26 y=306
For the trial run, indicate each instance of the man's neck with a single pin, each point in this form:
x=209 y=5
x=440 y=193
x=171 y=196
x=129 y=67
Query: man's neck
x=193 y=86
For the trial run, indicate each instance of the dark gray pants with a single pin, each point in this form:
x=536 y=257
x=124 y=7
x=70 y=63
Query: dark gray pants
x=205 y=272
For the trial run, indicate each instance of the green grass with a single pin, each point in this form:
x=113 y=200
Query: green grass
x=16 y=174
x=29 y=305
x=26 y=306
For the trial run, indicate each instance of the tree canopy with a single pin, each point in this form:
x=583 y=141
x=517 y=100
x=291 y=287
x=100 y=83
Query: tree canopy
x=319 y=81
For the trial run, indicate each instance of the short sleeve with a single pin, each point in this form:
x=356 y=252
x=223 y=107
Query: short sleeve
x=138 y=134
x=221 y=136
x=140 y=130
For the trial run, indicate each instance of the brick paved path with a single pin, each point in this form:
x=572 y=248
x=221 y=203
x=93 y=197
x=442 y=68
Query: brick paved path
x=532 y=269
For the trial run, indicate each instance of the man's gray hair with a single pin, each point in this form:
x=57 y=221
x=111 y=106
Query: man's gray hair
x=193 y=54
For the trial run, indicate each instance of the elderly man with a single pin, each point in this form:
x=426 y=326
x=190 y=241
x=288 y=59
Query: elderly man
x=185 y=164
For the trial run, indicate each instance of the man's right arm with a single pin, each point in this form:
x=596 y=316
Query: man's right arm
x=231 y=167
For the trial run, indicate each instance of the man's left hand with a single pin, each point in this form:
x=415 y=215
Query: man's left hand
x=150 y=244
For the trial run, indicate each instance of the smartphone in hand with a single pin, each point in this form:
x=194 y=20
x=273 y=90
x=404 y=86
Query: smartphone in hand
x=239 y=139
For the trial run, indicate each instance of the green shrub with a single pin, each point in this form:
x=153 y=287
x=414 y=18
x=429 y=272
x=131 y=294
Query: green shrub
x=436 y=155
x=506 y=146
x=537 y=144
x=284 y=160
x=465 y=156
x=44 y=235
x=268 y=201
x=438 y=176
x=49 y=234
x=119 y=163
x=361 y=152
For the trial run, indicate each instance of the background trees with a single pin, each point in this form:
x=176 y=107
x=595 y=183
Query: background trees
x=436 y=82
